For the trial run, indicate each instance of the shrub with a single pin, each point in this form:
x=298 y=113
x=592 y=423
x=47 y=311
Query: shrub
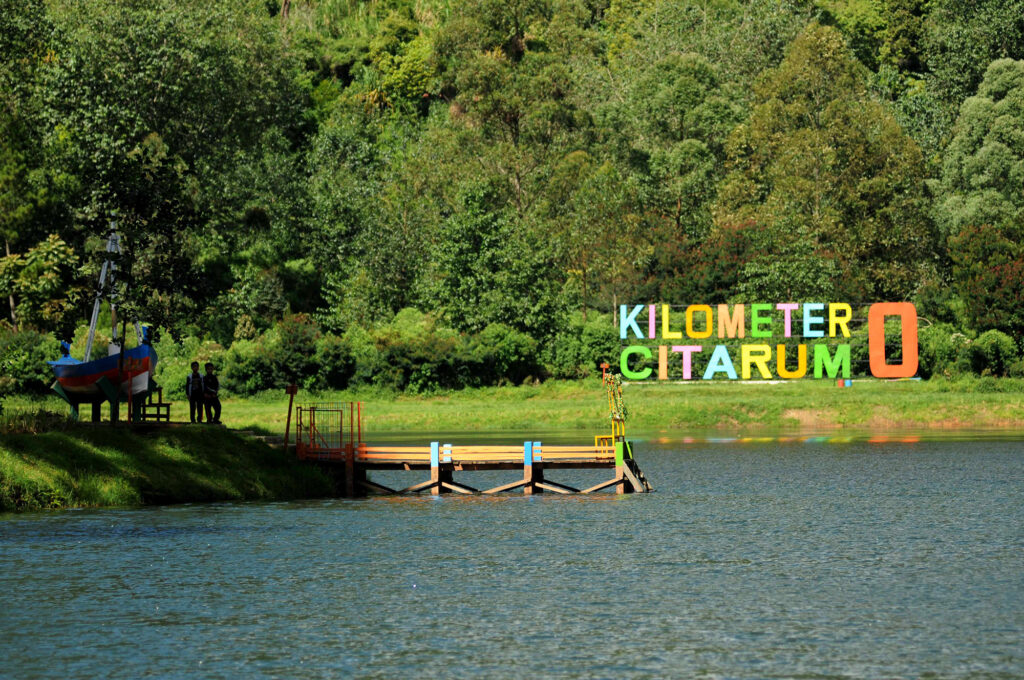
x=504 y=355
x=365 y=355
x=23 y=357
x=992 y=353
x=578 y=350
x=246 y=370
x=335 y=364
x=417 y=355
x=940 y=348
x=285 y=354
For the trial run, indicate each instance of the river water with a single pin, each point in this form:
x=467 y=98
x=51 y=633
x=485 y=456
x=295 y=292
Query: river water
x=804 y=560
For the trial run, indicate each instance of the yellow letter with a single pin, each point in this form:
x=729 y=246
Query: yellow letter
x=706 y=333
x=667 y=334
x=801 y=362
x=757 y=355
x=835 y=320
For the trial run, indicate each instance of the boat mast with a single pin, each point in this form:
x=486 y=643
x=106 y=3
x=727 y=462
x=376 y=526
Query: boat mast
x=108 y=266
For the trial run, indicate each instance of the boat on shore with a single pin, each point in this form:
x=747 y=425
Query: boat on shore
x=125 y=373
x=81 y=379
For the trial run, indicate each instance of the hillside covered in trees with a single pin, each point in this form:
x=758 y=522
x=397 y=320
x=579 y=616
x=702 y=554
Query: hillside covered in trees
x=422 y=193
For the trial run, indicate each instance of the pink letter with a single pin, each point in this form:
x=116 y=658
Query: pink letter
x=687 y=351
x=788 y=308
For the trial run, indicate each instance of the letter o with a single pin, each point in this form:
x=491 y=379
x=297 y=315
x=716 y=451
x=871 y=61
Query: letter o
x=876 y=339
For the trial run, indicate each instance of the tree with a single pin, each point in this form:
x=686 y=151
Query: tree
x=988 y=270
x=154 y=100
x=44 y=281
x=488 y=269
x=983 y=167
x=962 y=39
x=981 y=209
x=820 y=164
x=32 y=190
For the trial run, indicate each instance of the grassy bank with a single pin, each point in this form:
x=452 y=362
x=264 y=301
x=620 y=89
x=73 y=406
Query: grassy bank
x=791 y=406
x=82 y=466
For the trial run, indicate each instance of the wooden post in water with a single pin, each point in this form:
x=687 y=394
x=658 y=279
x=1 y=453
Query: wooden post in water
x=620 y=468
x=533 y=470
x=438 y=475
x=291 y=391
x=350 y=471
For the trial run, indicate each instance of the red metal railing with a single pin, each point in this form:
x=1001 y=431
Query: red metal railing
x=321 y=431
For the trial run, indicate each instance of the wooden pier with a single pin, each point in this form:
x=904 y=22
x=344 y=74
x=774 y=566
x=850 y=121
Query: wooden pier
x=331 y=434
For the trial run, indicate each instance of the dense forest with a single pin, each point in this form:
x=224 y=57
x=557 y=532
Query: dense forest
x=434 y=193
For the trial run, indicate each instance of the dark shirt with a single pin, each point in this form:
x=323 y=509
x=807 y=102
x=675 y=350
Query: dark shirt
x=194 y=386
x=211 y=385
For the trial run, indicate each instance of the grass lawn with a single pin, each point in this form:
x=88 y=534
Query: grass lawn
x=795 y=406
x=720 y=406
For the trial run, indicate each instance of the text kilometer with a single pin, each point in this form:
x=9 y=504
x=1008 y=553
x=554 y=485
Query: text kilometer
x=817 y=319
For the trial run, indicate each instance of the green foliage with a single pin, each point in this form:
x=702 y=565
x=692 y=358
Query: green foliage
x=283 y=355
x=862 y=21
x=820 y=167
x=503 y=355
x=289 y=185
x=962 y=39
x=417 y=355
x=23 y=357
x=941 y=350
x=983 y=170
x=488 y=270
x=992 y=353
x=988 y=272
x=580 y=349
x=43 y=282
x=174 y=361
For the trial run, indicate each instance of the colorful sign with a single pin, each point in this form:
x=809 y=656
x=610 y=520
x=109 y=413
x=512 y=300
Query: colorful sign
x=758 y=324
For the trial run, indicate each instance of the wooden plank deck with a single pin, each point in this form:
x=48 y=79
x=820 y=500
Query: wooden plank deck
x=355 y=459
x=465 y=456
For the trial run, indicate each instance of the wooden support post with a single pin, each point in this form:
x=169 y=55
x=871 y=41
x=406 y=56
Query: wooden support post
x=291 y=391
x=446 y=470
x=533 y=469
x=112 y=395
x=97 y=411
x=439 y=474
x=359 y=479
x=620 y=469
x=506 y=487
x=435 y=464
x=440 y=467
x=350 y=471
x=374 y=486
x=138 y=402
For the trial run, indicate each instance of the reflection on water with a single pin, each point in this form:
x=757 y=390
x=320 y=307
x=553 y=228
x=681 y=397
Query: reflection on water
x=753 y=560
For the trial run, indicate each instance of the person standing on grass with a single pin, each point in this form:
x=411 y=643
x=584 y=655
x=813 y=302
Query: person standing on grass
x=194 y=391
x=211 y=386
